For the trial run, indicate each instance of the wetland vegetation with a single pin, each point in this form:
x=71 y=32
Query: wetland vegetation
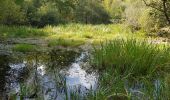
x=85 y=50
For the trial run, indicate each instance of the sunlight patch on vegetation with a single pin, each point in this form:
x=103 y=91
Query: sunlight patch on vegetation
x=91 y=33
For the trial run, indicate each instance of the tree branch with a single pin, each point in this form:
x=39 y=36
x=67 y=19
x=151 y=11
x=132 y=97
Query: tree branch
x=165 y=10
x=149 y=5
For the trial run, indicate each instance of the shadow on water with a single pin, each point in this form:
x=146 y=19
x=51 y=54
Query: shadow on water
x=4 y=68
x=55 y=75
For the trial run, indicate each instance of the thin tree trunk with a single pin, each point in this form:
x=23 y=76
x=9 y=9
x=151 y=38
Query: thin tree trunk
x=165 y=11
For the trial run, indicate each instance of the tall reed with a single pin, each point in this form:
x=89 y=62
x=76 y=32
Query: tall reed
x=137 y=58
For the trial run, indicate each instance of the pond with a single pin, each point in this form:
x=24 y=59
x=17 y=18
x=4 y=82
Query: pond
x=55 y=75
x=62 y=74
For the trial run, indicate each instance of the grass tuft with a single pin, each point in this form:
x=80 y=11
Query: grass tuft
x=138 y=58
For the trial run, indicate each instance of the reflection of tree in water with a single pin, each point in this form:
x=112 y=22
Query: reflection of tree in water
x=28 y=76
x=53 y=62
x=4 y=67
x=59 y=59
x=62 y=58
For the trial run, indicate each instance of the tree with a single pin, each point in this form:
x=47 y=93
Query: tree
x=43 y=12
x=162 y=6
x=90 y=11
x=11 y=13
x=115 y=8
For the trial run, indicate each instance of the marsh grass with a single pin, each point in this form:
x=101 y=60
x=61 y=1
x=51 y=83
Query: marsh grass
x=90 y=33
x=137 y=58
x=71 y=34
x=114 y=86
x=87 y=31
x=24 y=48
x=126 y=65
x=21 y=31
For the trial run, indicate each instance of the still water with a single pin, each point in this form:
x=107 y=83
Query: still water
x=55 y=75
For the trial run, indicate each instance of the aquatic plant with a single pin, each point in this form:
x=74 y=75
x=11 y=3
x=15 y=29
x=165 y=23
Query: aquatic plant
x=131 y=69
x=131 y=57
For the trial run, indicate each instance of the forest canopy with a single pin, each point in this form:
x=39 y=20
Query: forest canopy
x=148 y=15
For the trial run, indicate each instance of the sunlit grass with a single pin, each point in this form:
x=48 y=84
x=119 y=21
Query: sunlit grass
x=132 y=56
x=87 y=33
x=21 y=31
x=93 y=34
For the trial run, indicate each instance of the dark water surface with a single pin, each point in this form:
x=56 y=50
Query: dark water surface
x=55 y=75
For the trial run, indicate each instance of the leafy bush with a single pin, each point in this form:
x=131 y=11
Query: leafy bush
x=132 y=14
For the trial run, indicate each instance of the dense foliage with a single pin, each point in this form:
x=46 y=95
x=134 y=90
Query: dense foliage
x=43 y=12
x=148 y=15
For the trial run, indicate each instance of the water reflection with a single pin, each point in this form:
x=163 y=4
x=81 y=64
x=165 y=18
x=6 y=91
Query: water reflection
x=50 y=76
x=4 y=67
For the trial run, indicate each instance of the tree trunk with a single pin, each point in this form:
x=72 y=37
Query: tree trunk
x=165 y=11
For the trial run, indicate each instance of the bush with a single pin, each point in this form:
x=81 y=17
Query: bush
x=132 y=14
x=51 y=18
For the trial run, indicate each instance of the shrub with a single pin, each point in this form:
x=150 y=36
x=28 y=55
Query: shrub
x=132 y=14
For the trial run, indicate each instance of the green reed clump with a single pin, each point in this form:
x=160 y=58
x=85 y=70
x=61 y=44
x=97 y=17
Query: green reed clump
x=126 y=65
x=131 y=57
